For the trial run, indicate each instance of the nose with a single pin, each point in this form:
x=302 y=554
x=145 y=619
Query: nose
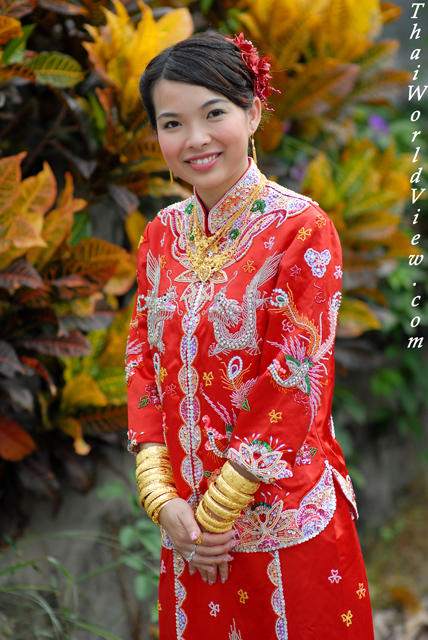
x=198 y=136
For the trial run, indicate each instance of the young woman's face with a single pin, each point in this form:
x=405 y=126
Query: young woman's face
x=203 y=136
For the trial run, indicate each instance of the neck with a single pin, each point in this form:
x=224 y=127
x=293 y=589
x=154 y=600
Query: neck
x=210 y=197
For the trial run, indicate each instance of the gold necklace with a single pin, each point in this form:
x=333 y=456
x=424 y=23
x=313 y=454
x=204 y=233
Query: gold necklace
x=206 y=259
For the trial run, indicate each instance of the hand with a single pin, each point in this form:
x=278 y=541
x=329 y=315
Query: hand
x=178 y=520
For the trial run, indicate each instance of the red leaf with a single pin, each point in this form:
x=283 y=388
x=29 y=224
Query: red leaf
x=17 y=8
x=21 y=273
x=9 y=361
x=99 y=419
x=39 y=368
x=15 y=442
x=73 y=345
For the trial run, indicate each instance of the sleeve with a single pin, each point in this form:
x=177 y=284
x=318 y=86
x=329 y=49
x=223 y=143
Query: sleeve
x=296 y=375
x=145 y=418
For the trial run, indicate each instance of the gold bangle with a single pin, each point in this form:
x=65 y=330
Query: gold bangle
x=157 y=493
x=143 y=496
x=152 y=463
x=235 y=480
x=213 y=521
x=154 y=513
x=158 y=473
x=218 y=496
x=232 y=493
x=160 y=500
x=217 y=528
x=146 y=465
x=150 y=452
x=218 y=509
x=144 y=490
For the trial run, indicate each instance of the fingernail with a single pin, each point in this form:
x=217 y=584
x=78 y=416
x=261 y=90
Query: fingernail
x=211 y=571
x=223 y=580
x=211 y=582
x=234 y=544
x=194 y=535
x=192 y=573
x=204 y=579
x=227 y=558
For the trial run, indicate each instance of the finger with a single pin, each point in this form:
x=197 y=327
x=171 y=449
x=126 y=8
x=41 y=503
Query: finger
x=223 y=570
x=216 y=539
x=189 y=524
x=207 y=561
x=217 y=549
x=212 y=574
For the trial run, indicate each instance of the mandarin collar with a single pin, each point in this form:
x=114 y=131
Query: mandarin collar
x=231 y=200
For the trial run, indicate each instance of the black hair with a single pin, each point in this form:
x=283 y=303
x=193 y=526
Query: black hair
x=205 y=59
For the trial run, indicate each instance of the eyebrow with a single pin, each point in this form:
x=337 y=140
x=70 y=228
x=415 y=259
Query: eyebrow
x=170 y=114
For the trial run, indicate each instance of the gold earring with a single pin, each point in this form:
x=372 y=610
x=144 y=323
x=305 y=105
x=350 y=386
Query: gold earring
x=171 y=176
x=253 y=146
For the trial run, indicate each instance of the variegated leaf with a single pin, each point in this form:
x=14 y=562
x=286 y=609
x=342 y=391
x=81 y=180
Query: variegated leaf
x=57 y=70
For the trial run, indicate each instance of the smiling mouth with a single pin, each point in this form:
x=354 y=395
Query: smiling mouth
x=204 y=160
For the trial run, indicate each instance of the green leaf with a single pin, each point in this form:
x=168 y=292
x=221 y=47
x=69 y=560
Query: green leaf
x=152 y=542
x=14 y=50
x=205 y=5
x=111 y=490
x=56 y=70
x=128 y=536
x=134 y=562
x=143 y=586
x=81 y=228
x=146 y=524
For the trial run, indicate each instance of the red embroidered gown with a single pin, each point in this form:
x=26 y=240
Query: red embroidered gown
x=241 y=367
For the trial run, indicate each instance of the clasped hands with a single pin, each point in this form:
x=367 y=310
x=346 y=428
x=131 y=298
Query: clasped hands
x=211 y=558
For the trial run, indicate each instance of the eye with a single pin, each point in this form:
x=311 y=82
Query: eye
x=215 y=113
x=171 y=124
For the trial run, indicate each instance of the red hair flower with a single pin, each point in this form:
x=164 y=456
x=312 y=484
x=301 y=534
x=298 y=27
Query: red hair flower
x=259 y=68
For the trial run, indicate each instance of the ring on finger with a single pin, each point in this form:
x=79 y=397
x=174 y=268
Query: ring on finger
x=190 y=558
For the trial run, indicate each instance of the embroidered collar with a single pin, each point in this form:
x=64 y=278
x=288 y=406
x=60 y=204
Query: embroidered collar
x=230 y=202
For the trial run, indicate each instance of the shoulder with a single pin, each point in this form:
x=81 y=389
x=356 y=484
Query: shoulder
x=298 y=206
x=280 y=197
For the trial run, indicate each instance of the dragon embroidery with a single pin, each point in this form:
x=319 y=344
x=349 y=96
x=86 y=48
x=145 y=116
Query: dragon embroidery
x=159 y=308
x=225 y=313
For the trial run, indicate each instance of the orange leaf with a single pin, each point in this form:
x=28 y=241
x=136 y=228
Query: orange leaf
x=57 y=225
x=9 y=28
x=15 y=442
x=10 y=177
x=73 y=428
x=17 y=70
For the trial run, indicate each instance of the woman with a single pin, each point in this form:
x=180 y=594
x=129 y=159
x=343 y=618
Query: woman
x=230 y=370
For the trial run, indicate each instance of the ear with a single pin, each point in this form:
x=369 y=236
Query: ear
x=254 y=115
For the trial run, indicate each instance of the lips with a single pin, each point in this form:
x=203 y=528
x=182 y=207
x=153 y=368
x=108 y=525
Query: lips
x=204 y=160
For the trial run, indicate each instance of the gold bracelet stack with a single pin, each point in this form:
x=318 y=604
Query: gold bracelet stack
x=155 y=480
x=225 y=499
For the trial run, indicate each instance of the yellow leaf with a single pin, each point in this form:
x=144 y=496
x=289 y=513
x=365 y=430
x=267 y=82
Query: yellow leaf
x=57 y=225
x=9 y=28
x=81 y=391
x=36 y=196
x=123 y=277
x=24 y=235
x=174 y=26
x=355 y=317
x=135 y=224
x=73 y=428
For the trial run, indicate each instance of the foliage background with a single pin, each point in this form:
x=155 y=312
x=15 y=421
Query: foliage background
x=81 y=173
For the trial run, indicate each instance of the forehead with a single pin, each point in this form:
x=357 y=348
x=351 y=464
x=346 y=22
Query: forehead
x=171 y=95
